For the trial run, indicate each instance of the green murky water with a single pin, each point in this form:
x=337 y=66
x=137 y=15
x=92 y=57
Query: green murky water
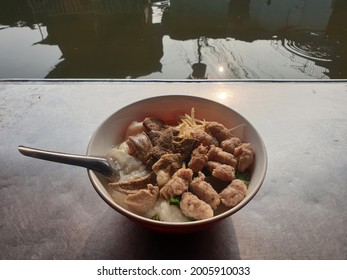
x=182 y=39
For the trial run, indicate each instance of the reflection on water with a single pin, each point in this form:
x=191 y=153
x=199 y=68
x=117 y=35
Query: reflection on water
x=176 y=39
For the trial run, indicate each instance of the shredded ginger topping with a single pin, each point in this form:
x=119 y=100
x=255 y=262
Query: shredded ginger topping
x=188 y=124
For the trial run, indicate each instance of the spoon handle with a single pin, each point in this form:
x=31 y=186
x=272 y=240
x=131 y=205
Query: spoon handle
x=98 y=164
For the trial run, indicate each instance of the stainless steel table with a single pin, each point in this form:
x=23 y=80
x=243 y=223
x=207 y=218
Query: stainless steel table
x=51 y=211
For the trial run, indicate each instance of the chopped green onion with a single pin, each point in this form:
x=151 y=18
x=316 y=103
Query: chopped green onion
x=243 y=176
x=156 y=217
x=176 y=200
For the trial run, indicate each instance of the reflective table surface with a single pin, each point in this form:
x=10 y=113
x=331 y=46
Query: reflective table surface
x=51 y=211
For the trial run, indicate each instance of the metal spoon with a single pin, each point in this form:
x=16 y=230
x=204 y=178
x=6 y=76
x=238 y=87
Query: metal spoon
x=99 y=164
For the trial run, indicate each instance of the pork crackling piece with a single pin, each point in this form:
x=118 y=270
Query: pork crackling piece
x=204 y=191
x=178 y=184
x=198 y=159
x=203 y=137
x=218 y=155
x=230 y=144
x=223 y=172
x=192 y=206
x=143 y=200
x=234 y=193
x=245 y=155
x=217 y=130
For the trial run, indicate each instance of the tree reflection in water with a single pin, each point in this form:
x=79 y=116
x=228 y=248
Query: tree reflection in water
x=195 y=39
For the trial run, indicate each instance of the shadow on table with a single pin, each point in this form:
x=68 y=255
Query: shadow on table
x=119 y=238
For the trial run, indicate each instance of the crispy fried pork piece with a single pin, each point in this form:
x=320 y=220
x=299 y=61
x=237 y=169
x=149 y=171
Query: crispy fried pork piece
x=178 y=183
x=203 y=137
x=154 y=124
x=234 y=193
x=166 y=166
x=193 y=207
x=217 y=130
x=230 y=144
x=223 y=172
x=134 y=184
x=143 y=200
x=204 y=191
x=217 y=154
x=139 y=146
x=198 y=159
x=245 y=155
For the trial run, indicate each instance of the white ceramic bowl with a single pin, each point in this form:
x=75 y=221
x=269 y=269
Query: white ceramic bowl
x=112 y=132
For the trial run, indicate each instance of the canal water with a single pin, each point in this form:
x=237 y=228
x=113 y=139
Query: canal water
x=176 y=39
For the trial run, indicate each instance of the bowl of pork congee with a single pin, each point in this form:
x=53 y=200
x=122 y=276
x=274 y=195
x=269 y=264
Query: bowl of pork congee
x=183 y=162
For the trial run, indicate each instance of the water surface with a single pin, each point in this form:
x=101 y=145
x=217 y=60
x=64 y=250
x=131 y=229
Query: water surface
x=177 y=39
